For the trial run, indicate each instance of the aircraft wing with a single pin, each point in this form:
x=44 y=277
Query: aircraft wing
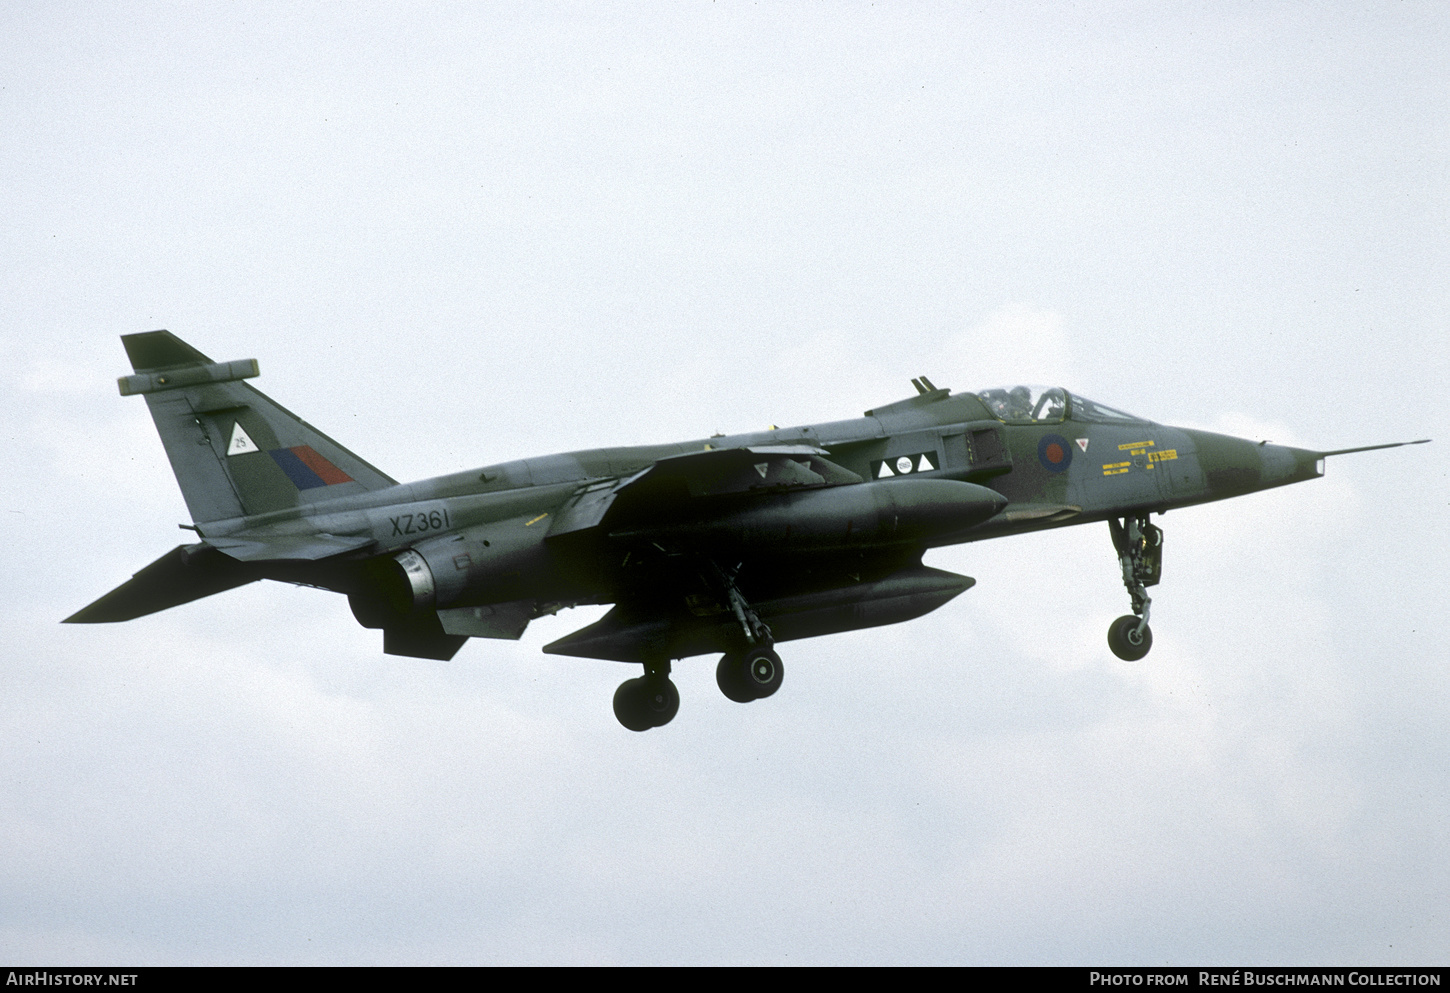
x=678 y=611
x=672 y=482
x=184 y=574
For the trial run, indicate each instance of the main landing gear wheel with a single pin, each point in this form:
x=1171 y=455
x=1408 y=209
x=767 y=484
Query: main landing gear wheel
x=1126 y=641
x=646 y=702
x=763 y=672
x=730 y=677
x=753 y=675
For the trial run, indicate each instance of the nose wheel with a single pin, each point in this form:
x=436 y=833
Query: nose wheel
x=1140 y=553
x=1130 y=637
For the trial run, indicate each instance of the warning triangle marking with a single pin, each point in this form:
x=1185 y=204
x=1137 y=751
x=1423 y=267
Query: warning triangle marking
x=241 y=442
x=762 y=467
x=1082 y=443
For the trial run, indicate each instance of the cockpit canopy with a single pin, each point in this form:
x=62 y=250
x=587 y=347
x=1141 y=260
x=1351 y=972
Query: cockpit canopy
x=1047 y=405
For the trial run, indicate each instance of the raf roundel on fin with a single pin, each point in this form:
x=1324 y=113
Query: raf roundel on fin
x=241 y=442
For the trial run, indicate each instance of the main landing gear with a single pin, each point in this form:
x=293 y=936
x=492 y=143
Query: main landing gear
x=1140 y=551
x=752 y=675
x=652 y=700
x=755 y=673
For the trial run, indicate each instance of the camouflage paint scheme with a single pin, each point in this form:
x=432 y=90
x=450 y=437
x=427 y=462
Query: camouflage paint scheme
x=726 y=544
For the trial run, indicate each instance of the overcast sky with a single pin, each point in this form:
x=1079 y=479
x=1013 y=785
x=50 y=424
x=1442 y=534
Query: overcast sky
x=456 y=235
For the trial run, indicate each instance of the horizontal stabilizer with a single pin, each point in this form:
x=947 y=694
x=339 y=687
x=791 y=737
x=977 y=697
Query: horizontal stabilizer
x=300 y=547
x=186 y=573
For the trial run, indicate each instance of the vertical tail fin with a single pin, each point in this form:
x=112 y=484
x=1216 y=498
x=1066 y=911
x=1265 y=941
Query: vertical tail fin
x=234 y=450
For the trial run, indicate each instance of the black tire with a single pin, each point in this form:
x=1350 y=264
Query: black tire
x=763 y=672
x=629 y=706
x=1124 y=640
x=646 y=702
x=661 y=699
x=730 y=677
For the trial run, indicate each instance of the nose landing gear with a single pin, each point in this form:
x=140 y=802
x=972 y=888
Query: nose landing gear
x=1140 y=551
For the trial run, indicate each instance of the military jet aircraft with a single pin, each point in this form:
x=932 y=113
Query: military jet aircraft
x=729 y=544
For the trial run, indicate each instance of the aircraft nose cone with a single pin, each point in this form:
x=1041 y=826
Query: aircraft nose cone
x=1283 y=464
x=1232 y=466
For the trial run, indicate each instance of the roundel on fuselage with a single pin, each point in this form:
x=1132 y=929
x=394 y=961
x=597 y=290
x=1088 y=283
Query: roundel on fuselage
x=1054 y=452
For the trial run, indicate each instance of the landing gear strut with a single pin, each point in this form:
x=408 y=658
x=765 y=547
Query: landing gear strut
x=651 y=701
x=755 y=673
x=1140 y=551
